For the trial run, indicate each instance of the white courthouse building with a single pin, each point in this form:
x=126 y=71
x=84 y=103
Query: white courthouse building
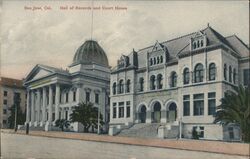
x=178 y=81
x=52 y=92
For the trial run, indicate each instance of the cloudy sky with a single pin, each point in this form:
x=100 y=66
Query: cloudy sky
x=51 y=37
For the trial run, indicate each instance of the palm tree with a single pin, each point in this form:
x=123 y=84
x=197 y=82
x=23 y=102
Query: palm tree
x=235 y=108
x=62 y=123
x=87 y=115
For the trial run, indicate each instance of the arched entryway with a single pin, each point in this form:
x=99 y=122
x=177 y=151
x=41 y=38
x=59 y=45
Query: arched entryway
x=172 y=112
x=156 y=113
x=142 y=114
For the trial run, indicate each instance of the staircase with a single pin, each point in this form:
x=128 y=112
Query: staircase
x=141 y=130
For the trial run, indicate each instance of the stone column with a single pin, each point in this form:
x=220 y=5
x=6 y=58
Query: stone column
x=148 y=117
x=50 y=104
x=57 y=102
x=28 y=107
x=163 y=116
x=38 y=107
x=32 y=107
x=43 y=107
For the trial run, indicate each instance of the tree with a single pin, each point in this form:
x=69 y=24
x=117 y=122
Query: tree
x=87 y=115
x=62 y=123
x=20 y=116
x=235 y=108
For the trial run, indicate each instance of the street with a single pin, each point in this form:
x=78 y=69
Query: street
x=31 y=147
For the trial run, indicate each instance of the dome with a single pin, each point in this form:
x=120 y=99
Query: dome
x=90 y=52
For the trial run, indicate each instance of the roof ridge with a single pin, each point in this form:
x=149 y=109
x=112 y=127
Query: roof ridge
x=240 y=40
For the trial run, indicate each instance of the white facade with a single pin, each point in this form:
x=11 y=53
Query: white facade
x=53 y=92
x=182 y=74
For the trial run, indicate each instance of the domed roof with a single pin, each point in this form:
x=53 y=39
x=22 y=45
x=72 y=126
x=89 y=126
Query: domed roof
x=90 y=52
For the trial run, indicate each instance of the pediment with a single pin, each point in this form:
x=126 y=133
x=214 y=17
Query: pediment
x=38 y=72
x=198 y=34
x=158 y=47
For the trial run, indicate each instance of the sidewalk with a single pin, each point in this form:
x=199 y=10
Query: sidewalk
x=192 y=145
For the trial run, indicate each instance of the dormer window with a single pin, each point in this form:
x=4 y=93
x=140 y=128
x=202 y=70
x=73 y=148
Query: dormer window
x=198 y=41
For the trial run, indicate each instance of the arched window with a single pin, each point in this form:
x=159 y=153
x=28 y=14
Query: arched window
x=114 y=88
x=121 y=86
x=198 y=44
x=161 y=59
x=186 y=76
x=212 y=72
x=201 y=43
x=173 y=79
x=225 y=71
x=198 y=73
x=158 y=60
x=152 y=82
x=230 y=74
x=128 y=85
x=151 y=61
x=141 y=81
x=234 y=76
x=194 y=45
x=159 y=81
x=154 y=60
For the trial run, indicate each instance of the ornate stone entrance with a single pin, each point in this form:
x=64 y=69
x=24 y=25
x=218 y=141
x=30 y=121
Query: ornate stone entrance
x=156 y=113
x=142 y=114
x=172 y=112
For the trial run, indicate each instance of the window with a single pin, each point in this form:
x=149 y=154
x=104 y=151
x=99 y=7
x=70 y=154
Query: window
x=230 y=74
x=198 y=104
x=53 y=116
x=246 y=74
x=154 y=61
x=152 y=82
x=212 y=72
x=186 y=76
x=97 y=98
x=141 y=81
x=225 y=71
x=114 y=110
x=121 y=86
x=198 y=73
x=201 y=43
x=128 y=86
x=5 y=93
x=53 y=98
x=66 y=115
x=4 y=111
x=87 y=96
x=67 y=97
x=211 y=103
x=158 y=60
x=151 y=61
x=234 y=76
x=161 y=59
x=4 y=121
x=128 y=109
x=231 y=132
x=186 y=105
x=121 y=109
x=114 y=88
x=173 y=81
x=74 y=96
x=194 y=45
x=5 y=101
x=159 y=81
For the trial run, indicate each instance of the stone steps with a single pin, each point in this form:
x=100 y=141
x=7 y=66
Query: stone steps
x=141 y=130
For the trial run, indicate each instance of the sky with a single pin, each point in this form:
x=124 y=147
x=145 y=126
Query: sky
x=52 y=35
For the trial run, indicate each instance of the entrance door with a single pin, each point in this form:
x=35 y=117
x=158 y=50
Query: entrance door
x=142 y=114
x=172 y=112
x=156 y=115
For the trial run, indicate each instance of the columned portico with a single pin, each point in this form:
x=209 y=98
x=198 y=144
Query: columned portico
x=28 y=107
x=32 y=107
x=43 y=107
x=50 y=104
x=57 y=102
